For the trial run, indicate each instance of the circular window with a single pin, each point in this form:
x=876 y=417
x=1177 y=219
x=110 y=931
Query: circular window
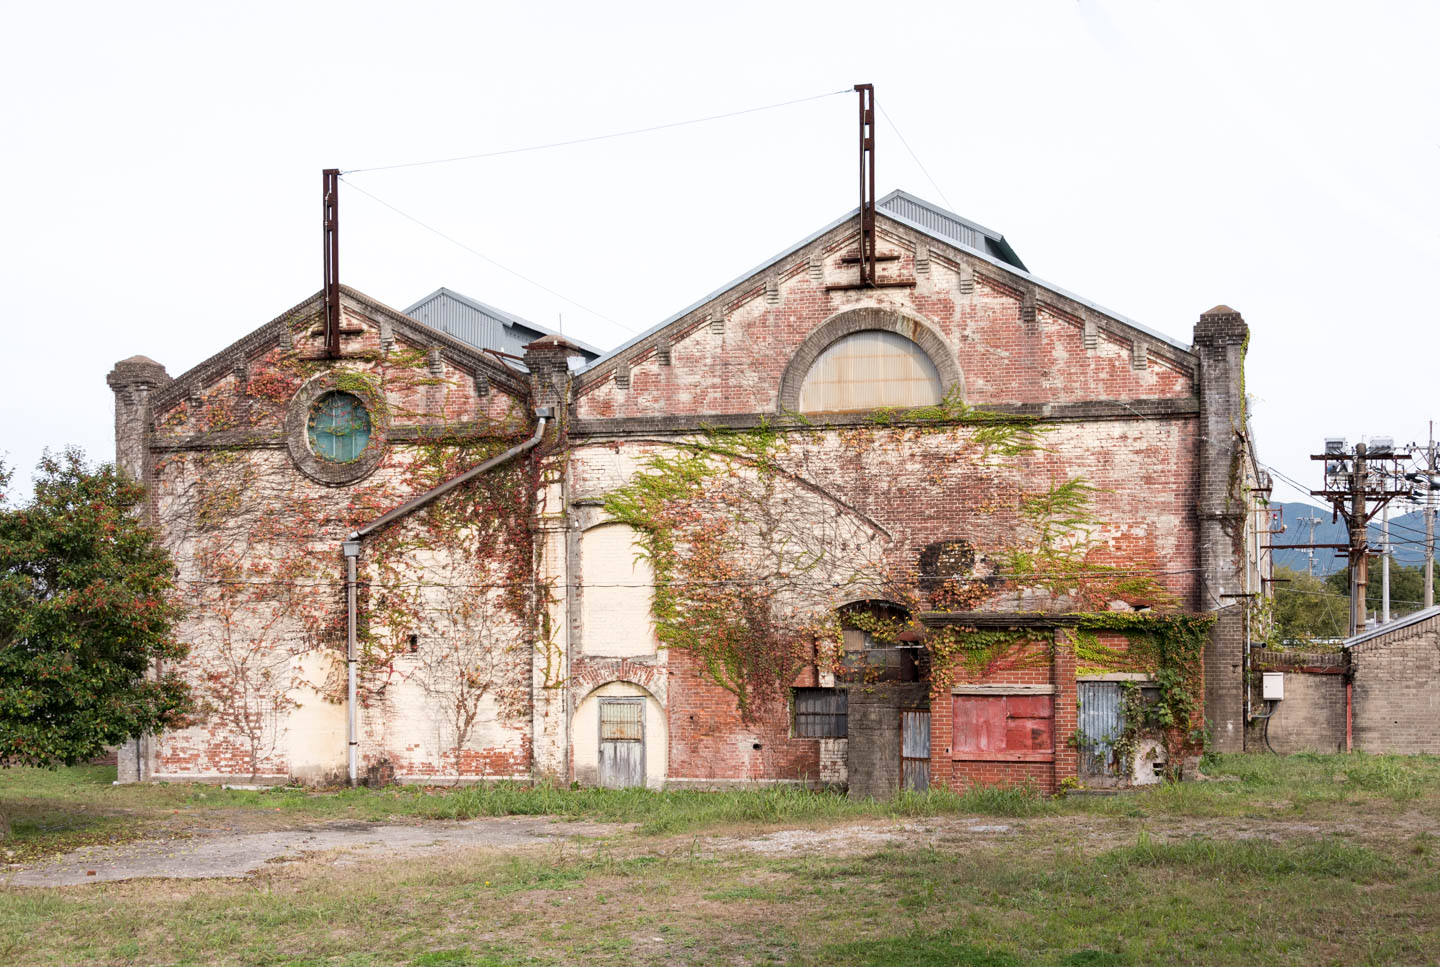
x=337 y=435
x=339 y=427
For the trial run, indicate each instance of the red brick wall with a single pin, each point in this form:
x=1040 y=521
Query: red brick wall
x=709 y=741
x=1004 y=360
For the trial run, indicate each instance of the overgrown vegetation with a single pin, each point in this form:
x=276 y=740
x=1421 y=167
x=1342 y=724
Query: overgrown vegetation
x=447 y=600
x=85 y=609
x=1184 y=873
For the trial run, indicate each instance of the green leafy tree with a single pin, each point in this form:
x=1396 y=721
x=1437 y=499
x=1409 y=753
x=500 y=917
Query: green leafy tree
x=85 y=618
x=1407 y=588
x=1306 y=607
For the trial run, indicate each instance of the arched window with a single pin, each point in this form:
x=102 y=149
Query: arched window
x=867 y=370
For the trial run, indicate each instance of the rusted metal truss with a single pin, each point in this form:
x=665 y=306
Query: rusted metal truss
x=867 y=183
x=331 y=211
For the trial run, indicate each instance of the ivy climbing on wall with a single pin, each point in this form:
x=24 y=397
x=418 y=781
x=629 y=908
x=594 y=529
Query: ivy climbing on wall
x=447 y=596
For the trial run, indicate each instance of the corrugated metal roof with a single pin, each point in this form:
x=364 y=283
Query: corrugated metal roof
x=948 y=225
x=1424 y=614
x=940 y=218
x=483 y=326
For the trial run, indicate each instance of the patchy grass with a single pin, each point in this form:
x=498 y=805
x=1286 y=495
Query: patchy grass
x=58 y=810
x=1305 y=786
x=1199 y=873
x=643 y=900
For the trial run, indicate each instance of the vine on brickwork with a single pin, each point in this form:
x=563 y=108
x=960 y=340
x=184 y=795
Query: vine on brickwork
x=447 y=595
x=747 y=564
x=749 y=560
x=1169 y=648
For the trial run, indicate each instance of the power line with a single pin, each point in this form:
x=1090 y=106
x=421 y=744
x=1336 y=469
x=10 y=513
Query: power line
x=896 y=128
x=481 y=255
x=601 y=137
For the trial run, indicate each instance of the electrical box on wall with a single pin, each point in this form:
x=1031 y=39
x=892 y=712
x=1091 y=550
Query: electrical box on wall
x=1272 y=686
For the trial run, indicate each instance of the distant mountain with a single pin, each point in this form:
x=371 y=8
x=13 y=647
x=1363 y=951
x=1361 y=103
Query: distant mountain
x=1407 y=534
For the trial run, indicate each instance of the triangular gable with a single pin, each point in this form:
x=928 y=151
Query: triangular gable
x=948 y=230
x=308 y=312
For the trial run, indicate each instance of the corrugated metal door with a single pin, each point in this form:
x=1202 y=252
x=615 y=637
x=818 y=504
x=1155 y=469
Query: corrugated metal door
x=915 y=748
x=622 y=742
x=1100 y=723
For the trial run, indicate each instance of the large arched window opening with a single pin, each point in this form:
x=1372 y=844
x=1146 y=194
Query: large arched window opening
x=879 y=642
x=868 y=370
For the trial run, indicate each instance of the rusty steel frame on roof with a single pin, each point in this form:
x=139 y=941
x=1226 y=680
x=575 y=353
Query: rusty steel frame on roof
x=330 y=206
x=867 y=183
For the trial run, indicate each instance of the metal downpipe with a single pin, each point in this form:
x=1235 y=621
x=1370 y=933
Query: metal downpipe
x=351 y=549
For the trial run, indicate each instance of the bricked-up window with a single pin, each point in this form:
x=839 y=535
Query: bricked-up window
x=1005 y=727
x=820 y=713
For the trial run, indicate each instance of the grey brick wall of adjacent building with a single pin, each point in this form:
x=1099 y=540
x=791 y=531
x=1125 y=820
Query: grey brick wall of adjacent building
x=1397 y=688
x=1311 y=717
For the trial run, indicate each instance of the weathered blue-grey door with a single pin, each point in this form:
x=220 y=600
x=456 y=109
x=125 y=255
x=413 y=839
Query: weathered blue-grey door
x=915 y=749
x=1100 y=723
x=622 y=742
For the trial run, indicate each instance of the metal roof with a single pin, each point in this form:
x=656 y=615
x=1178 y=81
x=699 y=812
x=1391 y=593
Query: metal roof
x=941 y=225
x=1425 y=614
x=938 y=221
x=483 y=326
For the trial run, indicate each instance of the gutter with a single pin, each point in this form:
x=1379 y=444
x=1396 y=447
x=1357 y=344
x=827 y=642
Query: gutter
x=351 y=549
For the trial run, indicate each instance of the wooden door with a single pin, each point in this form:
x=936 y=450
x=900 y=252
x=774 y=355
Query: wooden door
x=915 y=749
x=622 y=742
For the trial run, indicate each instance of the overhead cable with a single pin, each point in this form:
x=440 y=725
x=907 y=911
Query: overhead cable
x=481 y=255
x=599 y=137
x=894 y=127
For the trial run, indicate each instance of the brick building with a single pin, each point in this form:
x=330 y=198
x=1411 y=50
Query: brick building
x=1380 y=693
x=803 y=530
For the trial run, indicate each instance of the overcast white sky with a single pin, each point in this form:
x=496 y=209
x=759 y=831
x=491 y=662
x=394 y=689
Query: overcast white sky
x=161 y=170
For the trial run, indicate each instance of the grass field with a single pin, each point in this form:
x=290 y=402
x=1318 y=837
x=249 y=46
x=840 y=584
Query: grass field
x=1304 y=860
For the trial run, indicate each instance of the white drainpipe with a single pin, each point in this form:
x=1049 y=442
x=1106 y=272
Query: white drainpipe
x=351 y=549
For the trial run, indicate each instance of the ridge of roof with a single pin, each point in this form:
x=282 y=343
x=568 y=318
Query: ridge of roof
x=1001 y=263
x=506 y=318
x=1414 y=618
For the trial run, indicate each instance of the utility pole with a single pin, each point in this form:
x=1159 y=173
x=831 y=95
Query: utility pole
x=867 y=184
x=1312 y=520
x=1359 y=563
x=1348 y=490
x=1385 y=566
x=330 y=206
x=1430 y=519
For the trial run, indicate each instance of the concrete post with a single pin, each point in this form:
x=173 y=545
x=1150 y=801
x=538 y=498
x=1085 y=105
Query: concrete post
x=134 y=382
x=1220 y=505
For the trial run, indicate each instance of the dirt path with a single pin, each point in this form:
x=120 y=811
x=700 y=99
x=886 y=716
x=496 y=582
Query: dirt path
x=212 y=852
x=220 y=854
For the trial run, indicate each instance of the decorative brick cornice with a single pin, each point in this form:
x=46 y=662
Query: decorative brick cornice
x=1179 y=408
